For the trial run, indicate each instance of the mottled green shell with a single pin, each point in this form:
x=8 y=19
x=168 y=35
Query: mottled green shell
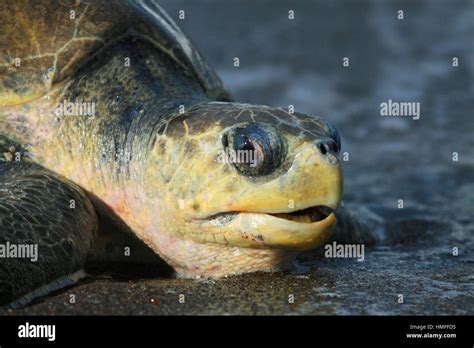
x=43 y=43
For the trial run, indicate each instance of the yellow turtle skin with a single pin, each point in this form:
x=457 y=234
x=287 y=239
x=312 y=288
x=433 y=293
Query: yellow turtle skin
x=150 y=154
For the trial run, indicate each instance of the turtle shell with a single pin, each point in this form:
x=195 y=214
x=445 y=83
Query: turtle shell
x=43 y=43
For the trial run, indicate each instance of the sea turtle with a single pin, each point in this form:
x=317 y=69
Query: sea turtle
x=112 y=121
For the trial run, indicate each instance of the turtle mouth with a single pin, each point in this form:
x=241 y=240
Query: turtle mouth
x=309 y=215
x=295 y=230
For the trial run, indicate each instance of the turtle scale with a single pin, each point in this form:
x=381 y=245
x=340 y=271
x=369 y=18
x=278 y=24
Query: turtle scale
x=63 y=39
x=139 y=158
x=65 y=35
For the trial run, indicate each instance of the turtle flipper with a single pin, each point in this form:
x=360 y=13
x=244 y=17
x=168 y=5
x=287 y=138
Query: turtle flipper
x=47 y=226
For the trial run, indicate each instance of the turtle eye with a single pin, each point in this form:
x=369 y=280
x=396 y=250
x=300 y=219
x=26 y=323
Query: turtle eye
x=250 y=153
x=254 y=149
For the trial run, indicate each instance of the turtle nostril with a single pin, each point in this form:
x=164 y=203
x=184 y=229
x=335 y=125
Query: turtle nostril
x=327 y=146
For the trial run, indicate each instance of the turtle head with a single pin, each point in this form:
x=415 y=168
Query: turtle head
x=247 y=177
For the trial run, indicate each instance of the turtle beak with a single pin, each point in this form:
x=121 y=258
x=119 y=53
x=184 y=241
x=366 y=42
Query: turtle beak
x=270 y=230
x=299 y=218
